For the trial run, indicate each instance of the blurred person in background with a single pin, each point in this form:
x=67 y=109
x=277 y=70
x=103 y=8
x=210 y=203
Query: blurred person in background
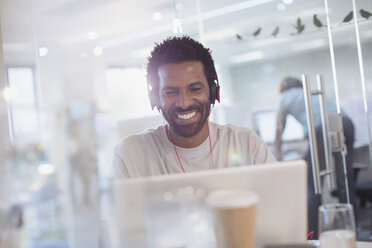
x=11 y=227
x=292 y=103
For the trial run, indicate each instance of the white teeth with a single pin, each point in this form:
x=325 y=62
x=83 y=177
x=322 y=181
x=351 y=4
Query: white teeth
x=186 y=116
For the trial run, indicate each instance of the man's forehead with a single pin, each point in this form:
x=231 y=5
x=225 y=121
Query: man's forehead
x=183 y=69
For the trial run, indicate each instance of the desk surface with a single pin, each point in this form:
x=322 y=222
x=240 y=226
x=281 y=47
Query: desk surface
x=359 y=244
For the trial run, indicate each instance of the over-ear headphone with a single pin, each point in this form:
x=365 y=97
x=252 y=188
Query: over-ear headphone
x=214 y=93
x=214 y=90
x=153 y=97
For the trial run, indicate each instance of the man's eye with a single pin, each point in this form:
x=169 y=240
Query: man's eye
x=195 y=89
x=169 y=92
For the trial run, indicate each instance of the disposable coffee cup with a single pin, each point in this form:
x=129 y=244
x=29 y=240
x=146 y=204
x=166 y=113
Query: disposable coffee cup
x=234 y=217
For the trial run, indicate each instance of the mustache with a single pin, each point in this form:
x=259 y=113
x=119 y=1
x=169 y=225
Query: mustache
x=190 y=108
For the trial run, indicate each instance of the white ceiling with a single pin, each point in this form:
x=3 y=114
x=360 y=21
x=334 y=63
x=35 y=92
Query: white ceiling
x=126 y=30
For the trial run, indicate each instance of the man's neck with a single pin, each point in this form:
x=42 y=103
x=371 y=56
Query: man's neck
x=189 y=142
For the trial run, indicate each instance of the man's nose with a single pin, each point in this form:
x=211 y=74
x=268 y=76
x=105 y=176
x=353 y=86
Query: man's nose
x=184 y=100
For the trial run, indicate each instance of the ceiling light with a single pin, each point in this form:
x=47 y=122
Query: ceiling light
x=43 y=51
x=281 y=6
x=98 y=51
x=247 y=57
x=45 y=169
x=156 y=16
x=287 y=1
x=92 y=35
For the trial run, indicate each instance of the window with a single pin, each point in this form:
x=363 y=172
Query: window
x=23 y=114
x=127 y=92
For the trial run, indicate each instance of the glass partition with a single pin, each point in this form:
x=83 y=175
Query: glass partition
x=89 y=91
x=360 y=104
x=350 y=75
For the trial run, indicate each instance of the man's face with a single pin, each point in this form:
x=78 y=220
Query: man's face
x=184 y=97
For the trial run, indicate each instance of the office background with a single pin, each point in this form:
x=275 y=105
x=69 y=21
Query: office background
x=73 y=84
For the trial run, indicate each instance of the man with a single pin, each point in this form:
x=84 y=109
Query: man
x=293 y=103
x=183 y=85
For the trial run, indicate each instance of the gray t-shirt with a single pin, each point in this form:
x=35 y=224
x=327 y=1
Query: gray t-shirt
x=151 y=153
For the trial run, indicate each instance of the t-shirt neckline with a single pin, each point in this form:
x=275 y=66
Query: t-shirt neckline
x=201 y=147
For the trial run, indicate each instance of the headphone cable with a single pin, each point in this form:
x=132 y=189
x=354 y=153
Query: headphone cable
x=175 y=150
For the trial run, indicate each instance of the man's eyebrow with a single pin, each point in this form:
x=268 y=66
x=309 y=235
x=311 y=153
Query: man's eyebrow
x=196 y=84
x=169 y=88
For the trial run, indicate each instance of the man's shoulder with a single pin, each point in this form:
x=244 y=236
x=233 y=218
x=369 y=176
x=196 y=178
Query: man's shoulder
x=140 y=140
x=239 y=134
x=232 y=129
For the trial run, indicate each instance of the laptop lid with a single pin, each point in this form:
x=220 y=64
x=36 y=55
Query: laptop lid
x=146 y=209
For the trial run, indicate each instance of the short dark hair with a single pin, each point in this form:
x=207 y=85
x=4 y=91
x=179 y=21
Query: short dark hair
x=289 y=83
x=178 y=50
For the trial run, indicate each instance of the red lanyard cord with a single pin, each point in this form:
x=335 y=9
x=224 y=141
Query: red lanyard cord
x=310 y=235
x=175 y=150
x=210 y=144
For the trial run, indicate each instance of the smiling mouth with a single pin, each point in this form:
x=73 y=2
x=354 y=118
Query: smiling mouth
x=186 y=116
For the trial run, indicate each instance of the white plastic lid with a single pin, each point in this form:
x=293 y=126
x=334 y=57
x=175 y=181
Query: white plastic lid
x=231 y=198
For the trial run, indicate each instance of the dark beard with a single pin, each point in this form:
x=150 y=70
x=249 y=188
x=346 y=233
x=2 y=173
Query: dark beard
x=191 y=129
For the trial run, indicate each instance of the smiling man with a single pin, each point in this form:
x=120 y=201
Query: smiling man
x=183 y=86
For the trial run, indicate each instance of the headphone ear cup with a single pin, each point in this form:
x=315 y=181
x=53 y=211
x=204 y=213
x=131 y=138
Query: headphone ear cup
x=213 y=93
x=154 y=99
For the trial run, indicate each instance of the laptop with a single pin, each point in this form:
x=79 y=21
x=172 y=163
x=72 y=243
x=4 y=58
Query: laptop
x=168 y=211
